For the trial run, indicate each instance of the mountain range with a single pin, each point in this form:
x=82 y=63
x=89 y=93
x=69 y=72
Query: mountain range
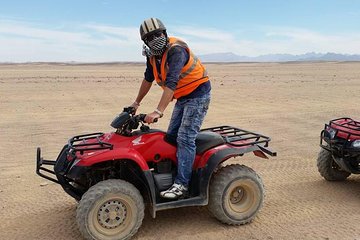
x=312 y=56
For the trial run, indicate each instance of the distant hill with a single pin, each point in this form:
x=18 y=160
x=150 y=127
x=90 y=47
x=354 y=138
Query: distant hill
x=231 y=57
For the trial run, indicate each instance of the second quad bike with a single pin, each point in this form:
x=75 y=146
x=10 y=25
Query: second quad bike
x=340 y=153
x=113 y=175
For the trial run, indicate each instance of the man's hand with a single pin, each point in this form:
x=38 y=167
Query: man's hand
x=151 y=117
x=135 y=105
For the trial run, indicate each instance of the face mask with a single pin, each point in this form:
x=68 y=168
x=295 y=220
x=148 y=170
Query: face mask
x=157 y=45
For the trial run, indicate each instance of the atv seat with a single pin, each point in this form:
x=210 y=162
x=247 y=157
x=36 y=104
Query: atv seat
x=206 y=140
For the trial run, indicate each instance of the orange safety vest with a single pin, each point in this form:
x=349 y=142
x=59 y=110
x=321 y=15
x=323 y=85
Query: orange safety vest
x=192 y=74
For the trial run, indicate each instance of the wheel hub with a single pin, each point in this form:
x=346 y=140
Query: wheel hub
x=237 y=195
x=111 y=214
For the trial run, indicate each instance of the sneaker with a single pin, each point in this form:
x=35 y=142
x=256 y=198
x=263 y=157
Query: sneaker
x=174 y=192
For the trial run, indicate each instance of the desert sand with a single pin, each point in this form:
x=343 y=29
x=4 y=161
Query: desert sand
x=46 y=104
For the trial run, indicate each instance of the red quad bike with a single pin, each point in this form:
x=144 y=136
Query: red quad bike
x=340 y=153
x=113 y=175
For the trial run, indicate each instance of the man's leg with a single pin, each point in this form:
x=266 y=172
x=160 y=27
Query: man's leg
x=175 y=122
x=193 y=115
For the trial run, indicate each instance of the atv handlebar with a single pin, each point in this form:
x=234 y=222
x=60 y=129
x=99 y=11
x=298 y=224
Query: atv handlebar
x=127 y=121
x=142 y=118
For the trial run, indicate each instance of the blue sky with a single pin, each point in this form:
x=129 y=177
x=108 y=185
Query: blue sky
x=107 y=30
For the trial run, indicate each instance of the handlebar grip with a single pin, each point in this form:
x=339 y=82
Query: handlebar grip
x=142 y=118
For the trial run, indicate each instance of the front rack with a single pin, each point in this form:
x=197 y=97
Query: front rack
x=349 y=127
x=79 y=144
x=346 y=131
x=354 y=125
x=238 y=137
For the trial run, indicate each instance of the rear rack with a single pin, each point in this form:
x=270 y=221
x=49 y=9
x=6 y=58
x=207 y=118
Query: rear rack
x=78 y=143
x=238 y=137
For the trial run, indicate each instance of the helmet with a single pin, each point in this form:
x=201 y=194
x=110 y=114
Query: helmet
x=151 y=26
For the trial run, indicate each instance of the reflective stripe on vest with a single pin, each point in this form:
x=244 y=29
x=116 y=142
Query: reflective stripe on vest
x=192 y=67
x=192 y=74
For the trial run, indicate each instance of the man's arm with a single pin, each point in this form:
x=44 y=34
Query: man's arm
x=145 y=85
x=177 y=58
x=166 y=98
x=144 y=89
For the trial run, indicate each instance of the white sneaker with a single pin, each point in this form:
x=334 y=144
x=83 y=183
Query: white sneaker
x=174 y=192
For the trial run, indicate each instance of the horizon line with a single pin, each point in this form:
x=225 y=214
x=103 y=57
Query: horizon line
x=140 y=62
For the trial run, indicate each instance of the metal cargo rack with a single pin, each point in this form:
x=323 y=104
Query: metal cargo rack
x=348 y=127
x=78 y=143
x=238 y=137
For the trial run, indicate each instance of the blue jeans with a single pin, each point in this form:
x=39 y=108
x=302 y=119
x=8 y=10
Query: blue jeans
x=185 y=124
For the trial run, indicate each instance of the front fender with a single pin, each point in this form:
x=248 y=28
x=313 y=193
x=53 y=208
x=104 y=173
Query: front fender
x=118 y=153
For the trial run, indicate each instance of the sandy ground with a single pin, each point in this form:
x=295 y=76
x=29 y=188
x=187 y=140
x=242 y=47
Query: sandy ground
x=44 y=105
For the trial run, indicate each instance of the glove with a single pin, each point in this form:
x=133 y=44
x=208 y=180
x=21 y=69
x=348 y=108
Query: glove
x=146 y=51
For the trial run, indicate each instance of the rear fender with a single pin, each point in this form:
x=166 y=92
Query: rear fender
x=214 y=158
x=219 y=151
x=118 y=153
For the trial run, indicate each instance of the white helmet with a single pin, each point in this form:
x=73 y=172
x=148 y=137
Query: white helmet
x=151 y=26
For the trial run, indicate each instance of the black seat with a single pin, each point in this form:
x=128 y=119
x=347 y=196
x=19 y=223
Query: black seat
x=206 y=140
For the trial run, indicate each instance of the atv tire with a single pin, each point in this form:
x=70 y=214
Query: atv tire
x=236 y=194
x=328 y=168
x=111 y=209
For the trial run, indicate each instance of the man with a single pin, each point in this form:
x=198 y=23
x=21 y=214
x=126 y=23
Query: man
x=180 y=73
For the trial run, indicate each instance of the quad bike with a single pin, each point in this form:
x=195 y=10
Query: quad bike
x=340 y=153
x=113 y=175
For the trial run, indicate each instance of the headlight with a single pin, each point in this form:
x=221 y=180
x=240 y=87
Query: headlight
x=356 y=143
x=332 y=132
